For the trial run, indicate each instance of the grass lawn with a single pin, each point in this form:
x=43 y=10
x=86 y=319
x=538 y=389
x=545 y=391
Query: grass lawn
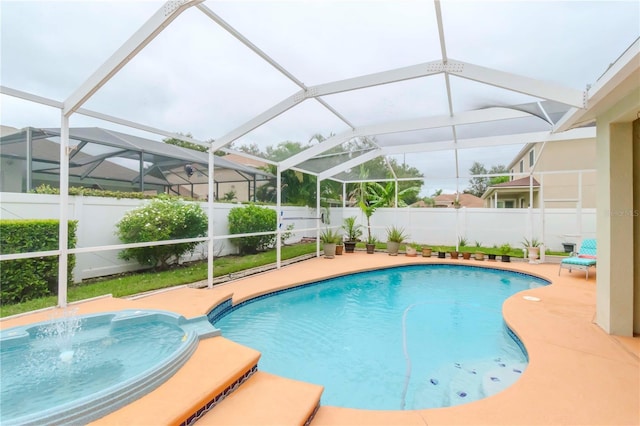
x=129 y=284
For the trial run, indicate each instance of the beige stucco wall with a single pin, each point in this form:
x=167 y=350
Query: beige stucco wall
x=636 y=225
x=617 y=307
x=573 y=155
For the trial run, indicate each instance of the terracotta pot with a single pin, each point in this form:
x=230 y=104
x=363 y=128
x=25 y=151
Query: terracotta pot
x=466 y=255
x=339 y=249
x=454 y=254
x=370 y=248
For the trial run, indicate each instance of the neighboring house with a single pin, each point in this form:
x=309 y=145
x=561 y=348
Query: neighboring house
x=563 y=177
x=240 y=191
x=449 y=201
x=464 y=200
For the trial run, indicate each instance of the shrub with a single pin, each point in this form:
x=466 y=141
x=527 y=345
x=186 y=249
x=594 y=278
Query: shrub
x=91 y=192
x=26 y=279
x=162 y=219
x=251 y=218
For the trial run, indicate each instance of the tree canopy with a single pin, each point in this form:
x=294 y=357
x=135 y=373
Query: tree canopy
x=300 y=188
x=479 y=184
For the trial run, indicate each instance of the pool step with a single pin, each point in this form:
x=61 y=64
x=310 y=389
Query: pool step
x=266 y=399
x=216 y=366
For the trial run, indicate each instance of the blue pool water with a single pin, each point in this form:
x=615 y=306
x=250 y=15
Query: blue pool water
x=401 y=338
x=75 y=369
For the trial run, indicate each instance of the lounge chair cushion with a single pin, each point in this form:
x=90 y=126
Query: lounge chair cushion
x=579 y=261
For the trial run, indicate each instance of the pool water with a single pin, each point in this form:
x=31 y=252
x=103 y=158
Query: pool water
x=409 y=337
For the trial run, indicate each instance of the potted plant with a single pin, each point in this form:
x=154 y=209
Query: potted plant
x=533 y=249
x=442 y=253
x=329 y=239
x=369 y=201
x=426 y=251
x=371 y=244
x=454 y=254
x=462 y=244
x=479 y=255
x=395 y=237
x=505 y=249
x=411 y=250
x=492 y=256
x=353 y=233
x=339 y=247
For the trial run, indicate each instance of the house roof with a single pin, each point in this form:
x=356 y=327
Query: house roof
x=465 y=200
x=516 y=182
x=511 y=186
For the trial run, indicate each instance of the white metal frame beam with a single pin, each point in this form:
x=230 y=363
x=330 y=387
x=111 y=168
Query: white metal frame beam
x=468 y=117
x=149 y=30
x=491 y=141
x=484 y=142
x=518 y=83
x=94 y=114
x=350 y=164
x=620 y=70
x=361 y=82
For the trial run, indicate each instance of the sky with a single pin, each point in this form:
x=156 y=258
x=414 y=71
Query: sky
x=194 y=77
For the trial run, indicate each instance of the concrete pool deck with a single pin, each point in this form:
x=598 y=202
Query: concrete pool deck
x=577 y=374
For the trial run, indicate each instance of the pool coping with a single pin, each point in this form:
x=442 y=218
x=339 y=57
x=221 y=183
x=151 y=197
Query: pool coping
x=577 y=373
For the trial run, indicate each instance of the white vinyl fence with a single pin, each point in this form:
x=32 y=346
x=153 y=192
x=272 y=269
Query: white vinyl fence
x=444 y=226
x=97 y=218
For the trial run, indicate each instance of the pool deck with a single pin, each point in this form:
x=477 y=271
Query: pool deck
x=577 y=374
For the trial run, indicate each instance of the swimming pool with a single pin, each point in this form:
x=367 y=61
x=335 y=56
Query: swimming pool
x=407 y=337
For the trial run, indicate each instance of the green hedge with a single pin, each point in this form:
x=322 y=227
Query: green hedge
x=251 y=218
x=164 y=218
x=26 y=279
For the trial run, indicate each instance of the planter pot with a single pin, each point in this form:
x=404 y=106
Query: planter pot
x=492 y=257
x=506 y=258
x=479 y=256
x=349 y=246
x=442 y=254
x=569 y=247
x=411 y=252
x=339 y=249
x=392 y=248
x=329 y=250
x=533 y=253
x=454 y=254
x=370 y=248
x=466 y=255
x=426 y=252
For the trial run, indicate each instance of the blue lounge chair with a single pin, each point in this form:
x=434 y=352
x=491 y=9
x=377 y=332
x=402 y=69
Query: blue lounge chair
x=583 y=260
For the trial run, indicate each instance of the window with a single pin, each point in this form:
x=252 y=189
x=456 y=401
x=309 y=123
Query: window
x=521 y=166
x=506 y=204
x=531 y=158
